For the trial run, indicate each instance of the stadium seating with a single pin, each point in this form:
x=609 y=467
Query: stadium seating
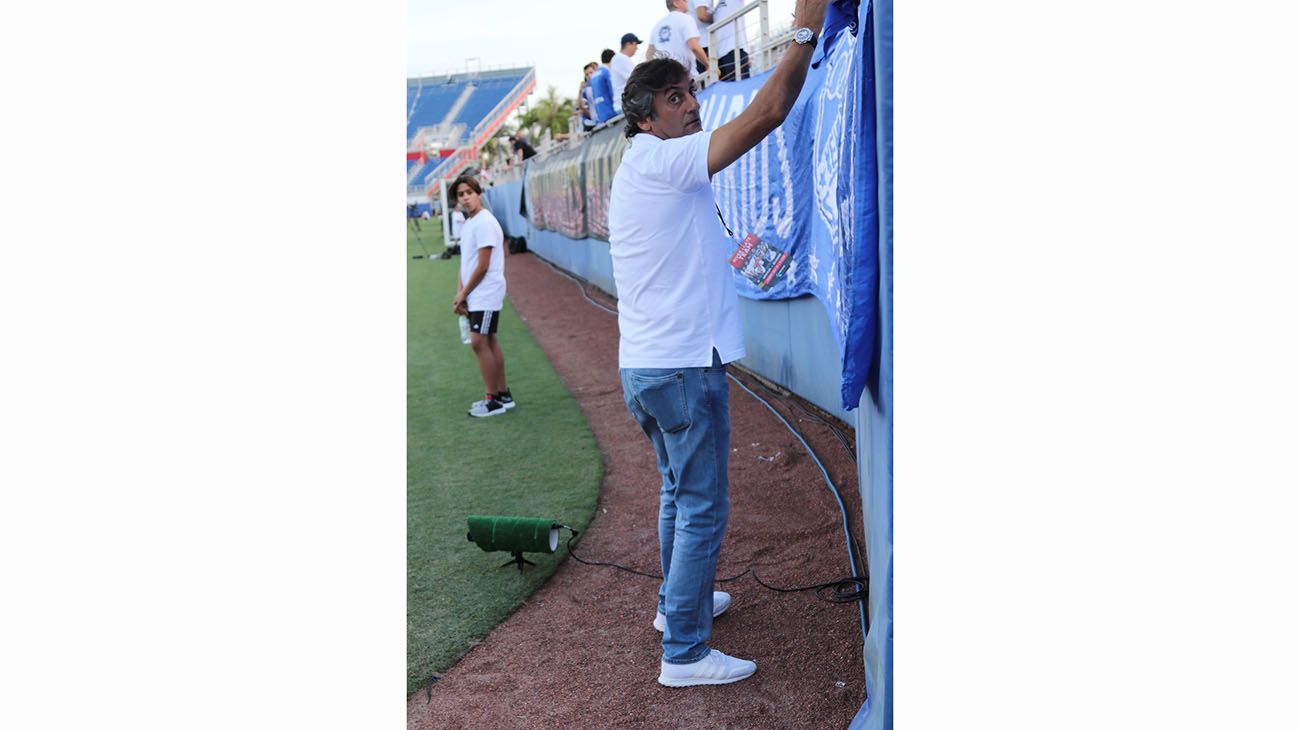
x=485 y=97
x=454 y=114
x=430 y=100
x=416 y=177
x=430 y=106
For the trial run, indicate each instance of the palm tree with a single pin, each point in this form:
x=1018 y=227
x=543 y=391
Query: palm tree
x=494 y=150
x=550 y=112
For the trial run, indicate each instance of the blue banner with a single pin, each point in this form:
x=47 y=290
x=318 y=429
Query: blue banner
x=809 y=189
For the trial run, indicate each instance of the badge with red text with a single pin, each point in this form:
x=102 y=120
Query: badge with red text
x=759 y=261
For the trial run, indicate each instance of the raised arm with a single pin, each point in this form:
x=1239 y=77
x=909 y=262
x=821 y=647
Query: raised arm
x=772 y=102
x=694 y=45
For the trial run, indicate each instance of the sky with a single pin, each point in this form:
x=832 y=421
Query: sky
x=558 y=39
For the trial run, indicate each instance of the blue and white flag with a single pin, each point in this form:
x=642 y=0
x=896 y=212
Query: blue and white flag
x=809 y=189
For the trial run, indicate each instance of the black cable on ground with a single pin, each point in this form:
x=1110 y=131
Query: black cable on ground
x=832 y=591
x=582 y=285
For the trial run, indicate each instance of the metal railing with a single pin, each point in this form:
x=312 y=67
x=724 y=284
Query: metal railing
x=763 y=55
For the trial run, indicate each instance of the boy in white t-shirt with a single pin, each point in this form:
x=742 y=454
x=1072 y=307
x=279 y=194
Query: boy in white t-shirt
x=481 y=293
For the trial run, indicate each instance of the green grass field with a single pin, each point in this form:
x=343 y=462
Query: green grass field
x=539 y=460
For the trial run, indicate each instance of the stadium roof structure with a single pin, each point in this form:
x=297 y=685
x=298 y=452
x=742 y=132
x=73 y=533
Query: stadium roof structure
x=449 y=117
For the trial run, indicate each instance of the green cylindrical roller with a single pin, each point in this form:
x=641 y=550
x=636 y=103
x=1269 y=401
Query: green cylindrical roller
x=514 y=534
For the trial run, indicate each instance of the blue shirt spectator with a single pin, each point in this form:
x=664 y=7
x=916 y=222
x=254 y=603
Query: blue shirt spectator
x=602 y=88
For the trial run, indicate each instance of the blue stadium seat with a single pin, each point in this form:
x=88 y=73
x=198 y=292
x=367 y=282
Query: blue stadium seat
x=431 y=106
x=429 y=103
x=431 y=100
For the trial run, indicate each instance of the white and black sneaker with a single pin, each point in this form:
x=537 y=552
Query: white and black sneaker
x=483 y=409
x=503 y=398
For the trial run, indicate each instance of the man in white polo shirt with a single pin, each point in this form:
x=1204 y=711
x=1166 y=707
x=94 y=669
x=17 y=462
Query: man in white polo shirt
x=679 y=325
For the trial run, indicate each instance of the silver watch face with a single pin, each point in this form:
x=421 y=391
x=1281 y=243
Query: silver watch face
x=803 y=36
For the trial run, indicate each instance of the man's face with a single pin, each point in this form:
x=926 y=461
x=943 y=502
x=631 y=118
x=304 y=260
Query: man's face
x=677 y=113
x=468 y=200
x=680 y=6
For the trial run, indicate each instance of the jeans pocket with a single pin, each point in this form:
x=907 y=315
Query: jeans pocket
x=664 y=398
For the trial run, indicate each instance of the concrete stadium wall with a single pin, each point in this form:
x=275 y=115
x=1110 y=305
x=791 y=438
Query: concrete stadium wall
x=789 y=341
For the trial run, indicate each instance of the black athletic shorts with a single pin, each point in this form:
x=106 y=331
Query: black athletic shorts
x=484 y=323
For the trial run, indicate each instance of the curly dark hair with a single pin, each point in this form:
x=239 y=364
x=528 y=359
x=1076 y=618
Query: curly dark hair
x=469 y=180
x=648 y=79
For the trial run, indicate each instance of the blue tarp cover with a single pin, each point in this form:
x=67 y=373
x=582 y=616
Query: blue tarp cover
x=809 y=188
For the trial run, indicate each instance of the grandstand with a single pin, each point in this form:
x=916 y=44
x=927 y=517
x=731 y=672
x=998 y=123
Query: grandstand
x=449 y=117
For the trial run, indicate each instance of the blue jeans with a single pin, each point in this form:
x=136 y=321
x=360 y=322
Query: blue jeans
x=684 y=413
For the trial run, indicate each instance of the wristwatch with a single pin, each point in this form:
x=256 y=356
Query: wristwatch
x=805 y=37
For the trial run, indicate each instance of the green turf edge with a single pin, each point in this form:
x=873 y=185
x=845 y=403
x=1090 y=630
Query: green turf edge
x=540 y=460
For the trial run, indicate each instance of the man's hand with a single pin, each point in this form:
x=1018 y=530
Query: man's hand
x=458 y=305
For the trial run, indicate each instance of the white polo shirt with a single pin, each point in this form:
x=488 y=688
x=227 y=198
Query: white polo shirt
x=676 y=297
x=481 y=231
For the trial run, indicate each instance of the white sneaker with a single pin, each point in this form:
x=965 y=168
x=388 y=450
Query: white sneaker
x=716 y=668
x=721 y=602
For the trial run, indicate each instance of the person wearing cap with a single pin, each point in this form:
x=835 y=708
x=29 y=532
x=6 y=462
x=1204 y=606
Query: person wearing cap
x=620 y=67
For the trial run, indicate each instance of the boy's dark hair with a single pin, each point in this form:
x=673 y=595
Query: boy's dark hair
x=606 y=54
x=469 y=180
x=648 y=79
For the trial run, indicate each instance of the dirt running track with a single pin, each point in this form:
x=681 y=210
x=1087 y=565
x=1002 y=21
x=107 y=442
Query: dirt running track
x=581 y=652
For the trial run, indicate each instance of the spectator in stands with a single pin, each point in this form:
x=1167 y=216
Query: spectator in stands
x=586 y=100
x=702 y=10
x=523 y=150
x=620 y=67
x=603 y=89
x=730 y=39
x=679 y=325
x=481 y=290
x=676 y=36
